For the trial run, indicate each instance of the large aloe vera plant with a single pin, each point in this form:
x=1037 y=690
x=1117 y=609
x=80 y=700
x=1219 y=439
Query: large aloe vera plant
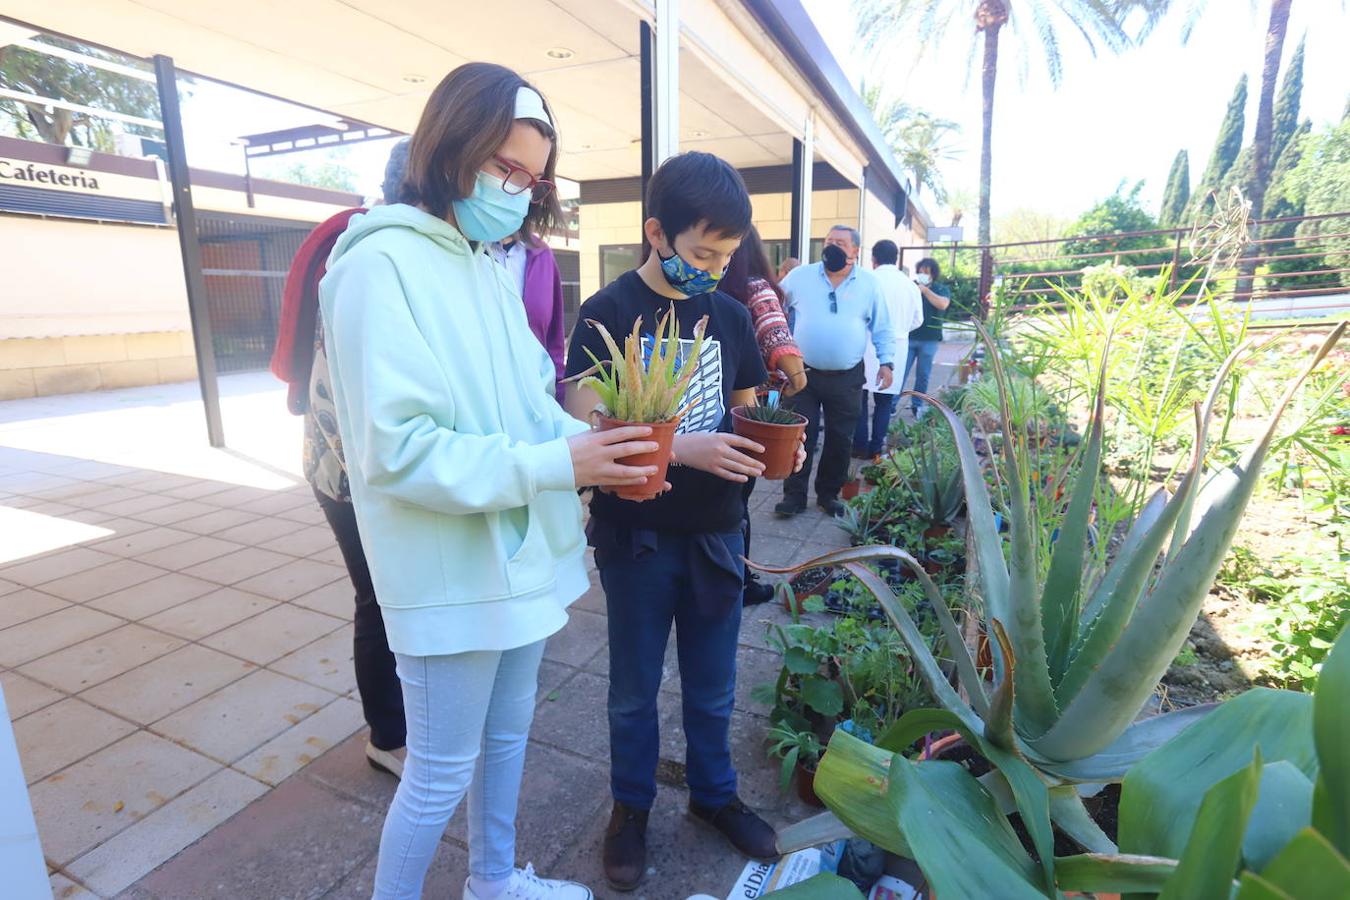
x=1076 y=657
x=645 y=381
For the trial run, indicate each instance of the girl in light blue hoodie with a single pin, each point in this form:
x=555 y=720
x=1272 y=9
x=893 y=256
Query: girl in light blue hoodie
x=463 y=468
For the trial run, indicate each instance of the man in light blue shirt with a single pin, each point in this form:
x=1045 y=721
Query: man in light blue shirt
x=837 y=308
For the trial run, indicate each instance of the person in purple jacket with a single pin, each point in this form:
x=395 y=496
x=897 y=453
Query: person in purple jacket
x=535 y=272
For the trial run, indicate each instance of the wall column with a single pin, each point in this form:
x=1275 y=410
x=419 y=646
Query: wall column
x=659 y=49
x=803 y=164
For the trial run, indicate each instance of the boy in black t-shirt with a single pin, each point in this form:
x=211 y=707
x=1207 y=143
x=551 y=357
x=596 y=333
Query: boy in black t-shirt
x=678 y=558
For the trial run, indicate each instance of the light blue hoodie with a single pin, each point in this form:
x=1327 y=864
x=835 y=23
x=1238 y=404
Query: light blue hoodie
x=456 y=450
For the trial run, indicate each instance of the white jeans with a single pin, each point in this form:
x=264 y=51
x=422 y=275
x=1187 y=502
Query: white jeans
x=455 y=706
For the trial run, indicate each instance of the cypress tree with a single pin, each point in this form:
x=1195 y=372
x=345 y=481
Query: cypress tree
x=1177 y=193
x=1281 y=201
x=1287 y=106
x=1226 y=149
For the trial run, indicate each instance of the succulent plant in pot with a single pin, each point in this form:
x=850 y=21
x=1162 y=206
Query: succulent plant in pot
x=1076 y=655
x=645 y=384
x=777 y=429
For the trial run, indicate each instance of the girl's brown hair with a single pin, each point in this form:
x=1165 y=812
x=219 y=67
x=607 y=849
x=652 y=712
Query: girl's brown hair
x=466 y=119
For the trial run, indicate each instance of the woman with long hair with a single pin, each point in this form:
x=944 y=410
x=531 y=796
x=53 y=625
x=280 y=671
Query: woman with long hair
x=463 y=469
x=750 y=279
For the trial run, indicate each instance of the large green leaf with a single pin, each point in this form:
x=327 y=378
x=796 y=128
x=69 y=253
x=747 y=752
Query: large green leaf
x=1139 y=740
x=1097 y=872
x=1134 y=539
x=962 y=843
x=1308 y=868
x=1331 y=735
x=1283 y=808
x=825 y=697
x=1210 y=861
x=851 y=781
x=824 y=886
x=1163 y=792
x=1061 y=598
x=1115 y=692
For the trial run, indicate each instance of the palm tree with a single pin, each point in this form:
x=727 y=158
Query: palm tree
x=910 y=24
x=924 y=146
x=919 y=138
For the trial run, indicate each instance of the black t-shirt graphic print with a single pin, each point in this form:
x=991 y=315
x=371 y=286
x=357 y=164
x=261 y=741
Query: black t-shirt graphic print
x=730 y=361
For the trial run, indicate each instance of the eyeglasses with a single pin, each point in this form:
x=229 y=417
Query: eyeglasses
x=518 y=181
x=834 y=303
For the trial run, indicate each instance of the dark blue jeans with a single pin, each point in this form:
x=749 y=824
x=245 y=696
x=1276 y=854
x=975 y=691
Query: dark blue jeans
x=920 y=359
x=644 y=596
x=883 y=406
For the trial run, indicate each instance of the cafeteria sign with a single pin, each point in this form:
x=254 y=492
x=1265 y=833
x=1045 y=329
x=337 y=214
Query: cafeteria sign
x=33 y=175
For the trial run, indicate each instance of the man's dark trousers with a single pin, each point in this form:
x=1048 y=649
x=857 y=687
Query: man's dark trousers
x=835 y=398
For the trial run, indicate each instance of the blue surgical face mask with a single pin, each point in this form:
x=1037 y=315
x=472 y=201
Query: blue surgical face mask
x=688 y=280
x=490 y=213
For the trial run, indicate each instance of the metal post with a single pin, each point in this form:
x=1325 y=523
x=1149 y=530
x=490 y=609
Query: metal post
x=666 y=81
x=802 y=187
x=795 y=235
x=648 y=113
x=186 y=218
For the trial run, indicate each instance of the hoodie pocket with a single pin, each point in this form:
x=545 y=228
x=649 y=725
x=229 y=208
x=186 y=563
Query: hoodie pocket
x=529 y=566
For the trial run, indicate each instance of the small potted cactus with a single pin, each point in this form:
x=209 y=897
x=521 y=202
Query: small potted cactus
x=644 y=384
x=777 y=429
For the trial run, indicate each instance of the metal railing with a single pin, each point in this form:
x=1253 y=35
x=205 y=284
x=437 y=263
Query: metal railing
x=1301 y=265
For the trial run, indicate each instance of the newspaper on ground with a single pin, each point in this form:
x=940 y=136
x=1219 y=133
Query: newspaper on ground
x=760 y=878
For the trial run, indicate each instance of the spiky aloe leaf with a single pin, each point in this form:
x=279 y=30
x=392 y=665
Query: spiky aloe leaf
x=1068 y=812
x=1134 y=538
x=1117 y=689
x=909 y=632
x=993 y=571
x=1136 y=742
x=823 y=828
x=1061 y=597
x=999 y=724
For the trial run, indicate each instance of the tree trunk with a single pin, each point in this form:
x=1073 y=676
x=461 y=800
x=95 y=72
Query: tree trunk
x=988 y=75
x=1259 y=177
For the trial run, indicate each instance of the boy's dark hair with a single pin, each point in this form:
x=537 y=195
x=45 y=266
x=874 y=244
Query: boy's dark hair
x=931 y=265
x=466 y=119
x=885 y=253
x=693 y=188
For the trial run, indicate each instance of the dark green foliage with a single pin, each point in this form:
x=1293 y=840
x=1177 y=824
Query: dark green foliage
x=48 y=76
x=1177 y=193
x=1226 y=149
x=1287 y=105
x=1282 y=200
x=1120 y=213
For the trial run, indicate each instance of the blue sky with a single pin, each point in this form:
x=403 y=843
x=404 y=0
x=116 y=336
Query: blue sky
x=1113 y=117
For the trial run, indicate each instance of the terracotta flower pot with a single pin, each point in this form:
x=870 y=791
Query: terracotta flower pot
x=806 y=787
x=780 y=442
x=663 y=433
x=850 y=489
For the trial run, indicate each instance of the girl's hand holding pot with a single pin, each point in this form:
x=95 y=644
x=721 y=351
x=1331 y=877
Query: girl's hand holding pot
x=595 y=456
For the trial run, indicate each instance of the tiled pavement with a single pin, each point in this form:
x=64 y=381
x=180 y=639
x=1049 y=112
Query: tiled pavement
x=175 y=650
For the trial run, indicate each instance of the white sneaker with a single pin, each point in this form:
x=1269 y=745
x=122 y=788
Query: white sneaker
x=525 y=885
x=390 y=761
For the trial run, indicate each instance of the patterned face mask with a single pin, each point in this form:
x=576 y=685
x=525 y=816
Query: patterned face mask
x=688 y=280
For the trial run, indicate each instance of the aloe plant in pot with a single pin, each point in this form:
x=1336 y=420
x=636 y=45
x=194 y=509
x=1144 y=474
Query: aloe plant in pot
x=645 y=384
x=1076 y=657
x=777 y=429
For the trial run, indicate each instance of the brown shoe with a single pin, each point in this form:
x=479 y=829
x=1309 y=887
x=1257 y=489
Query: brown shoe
x=626 y=847
x=742 y=828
